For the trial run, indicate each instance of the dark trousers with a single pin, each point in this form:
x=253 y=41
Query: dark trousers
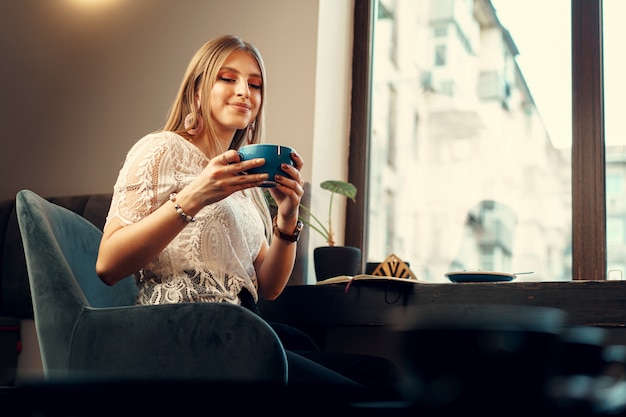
x=376 y=376
x=309 y=365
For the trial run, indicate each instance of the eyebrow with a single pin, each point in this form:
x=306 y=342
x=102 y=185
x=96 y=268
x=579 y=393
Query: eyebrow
x=256 y=75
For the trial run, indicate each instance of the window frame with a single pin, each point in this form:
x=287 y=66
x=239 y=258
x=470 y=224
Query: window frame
x=589 y=253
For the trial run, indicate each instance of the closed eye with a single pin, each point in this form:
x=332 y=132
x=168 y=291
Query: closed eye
x=232 y=80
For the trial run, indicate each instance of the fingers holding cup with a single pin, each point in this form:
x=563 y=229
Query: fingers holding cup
x=278 y=161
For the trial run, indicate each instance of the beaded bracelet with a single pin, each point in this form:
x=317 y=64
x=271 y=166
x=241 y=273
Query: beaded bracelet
x=180 y=211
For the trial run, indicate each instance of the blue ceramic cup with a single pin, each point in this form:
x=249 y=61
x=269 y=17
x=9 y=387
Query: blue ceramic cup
x=274 y=155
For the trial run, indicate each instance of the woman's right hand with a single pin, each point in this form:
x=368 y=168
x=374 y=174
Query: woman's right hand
x=223 y=176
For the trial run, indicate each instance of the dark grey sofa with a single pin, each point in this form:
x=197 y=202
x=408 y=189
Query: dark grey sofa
x=15 y=298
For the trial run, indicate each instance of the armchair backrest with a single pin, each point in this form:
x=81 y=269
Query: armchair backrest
x=71 y=244
x=61 y=248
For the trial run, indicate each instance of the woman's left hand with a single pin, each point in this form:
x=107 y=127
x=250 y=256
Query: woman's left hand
x=289 y=191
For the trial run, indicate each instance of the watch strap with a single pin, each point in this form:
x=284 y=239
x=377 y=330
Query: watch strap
x=293 y=237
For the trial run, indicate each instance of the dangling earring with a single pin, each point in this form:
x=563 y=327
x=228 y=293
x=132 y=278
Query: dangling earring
x=194 y=123
x=250 y=132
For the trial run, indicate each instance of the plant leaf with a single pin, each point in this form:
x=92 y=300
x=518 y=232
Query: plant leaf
x=340 y=187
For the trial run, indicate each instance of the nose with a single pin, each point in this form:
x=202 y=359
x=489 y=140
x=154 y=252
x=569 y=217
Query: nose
x=243 y=90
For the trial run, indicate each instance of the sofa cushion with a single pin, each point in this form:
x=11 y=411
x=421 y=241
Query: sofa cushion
x=15 y=300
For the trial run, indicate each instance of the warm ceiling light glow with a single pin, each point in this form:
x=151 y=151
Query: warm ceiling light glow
x=93 y=3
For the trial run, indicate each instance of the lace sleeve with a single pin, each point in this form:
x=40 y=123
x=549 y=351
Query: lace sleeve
x=145 y=177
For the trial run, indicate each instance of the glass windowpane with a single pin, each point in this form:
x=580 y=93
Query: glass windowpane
x=614 y=65
x=478 y=117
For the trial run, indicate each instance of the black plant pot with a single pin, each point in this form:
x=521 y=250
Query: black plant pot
x=333 y=261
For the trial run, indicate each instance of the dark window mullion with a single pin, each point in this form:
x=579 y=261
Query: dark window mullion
x=358 y=160
x=588 y=160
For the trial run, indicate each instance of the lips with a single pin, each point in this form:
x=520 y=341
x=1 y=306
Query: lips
x=241 y=107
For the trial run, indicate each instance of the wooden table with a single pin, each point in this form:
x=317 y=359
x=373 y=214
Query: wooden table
x=362 y=318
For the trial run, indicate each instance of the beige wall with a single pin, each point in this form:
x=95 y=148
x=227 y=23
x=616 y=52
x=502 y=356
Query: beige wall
x=80 y=86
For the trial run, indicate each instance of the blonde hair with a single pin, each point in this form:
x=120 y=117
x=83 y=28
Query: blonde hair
x=200 y=76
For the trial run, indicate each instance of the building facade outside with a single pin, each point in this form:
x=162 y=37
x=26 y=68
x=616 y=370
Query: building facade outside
x=463 y=174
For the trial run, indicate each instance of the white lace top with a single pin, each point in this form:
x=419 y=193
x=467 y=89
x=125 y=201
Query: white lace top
x=212 y=258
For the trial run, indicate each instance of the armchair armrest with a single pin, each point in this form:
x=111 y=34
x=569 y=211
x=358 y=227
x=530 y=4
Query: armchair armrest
x=207 y=341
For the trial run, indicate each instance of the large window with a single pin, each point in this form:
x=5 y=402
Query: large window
x=489 y=178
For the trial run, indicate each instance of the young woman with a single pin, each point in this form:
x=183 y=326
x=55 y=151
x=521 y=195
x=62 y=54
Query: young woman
x=185 y=221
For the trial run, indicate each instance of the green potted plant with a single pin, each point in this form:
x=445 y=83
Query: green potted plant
x=332 y=260
x=326 y=229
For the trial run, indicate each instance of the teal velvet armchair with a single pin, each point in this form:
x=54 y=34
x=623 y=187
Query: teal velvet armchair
x=87 y=329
